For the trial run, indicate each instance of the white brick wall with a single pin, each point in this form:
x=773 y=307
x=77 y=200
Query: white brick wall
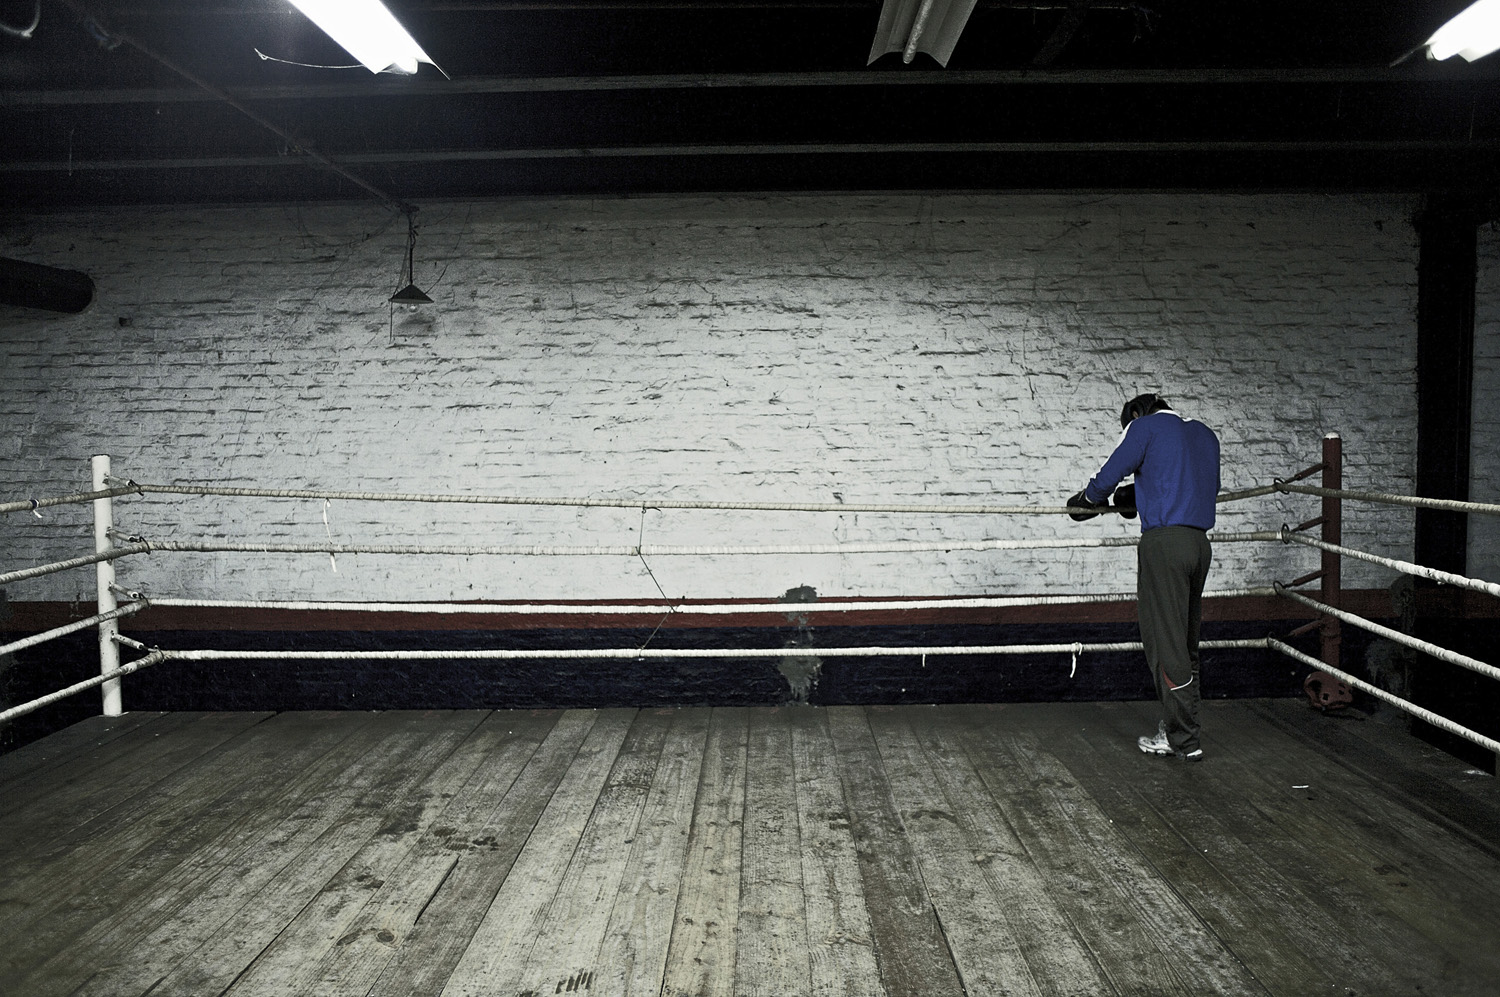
x=1484 y=444
x=880 y=348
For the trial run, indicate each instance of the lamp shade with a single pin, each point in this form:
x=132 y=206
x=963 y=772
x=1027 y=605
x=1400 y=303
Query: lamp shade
x=411 y=294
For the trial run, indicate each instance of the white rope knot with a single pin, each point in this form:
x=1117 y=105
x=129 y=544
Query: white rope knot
x=35 y=505
x=1077 y=650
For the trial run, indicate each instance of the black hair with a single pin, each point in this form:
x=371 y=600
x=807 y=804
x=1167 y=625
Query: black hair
x=1141 y=405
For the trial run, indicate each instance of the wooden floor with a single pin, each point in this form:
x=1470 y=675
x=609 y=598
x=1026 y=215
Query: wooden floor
x=1021 y=849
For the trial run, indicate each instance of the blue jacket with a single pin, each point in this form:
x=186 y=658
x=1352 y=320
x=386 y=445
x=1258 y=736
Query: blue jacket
x=1176 y=466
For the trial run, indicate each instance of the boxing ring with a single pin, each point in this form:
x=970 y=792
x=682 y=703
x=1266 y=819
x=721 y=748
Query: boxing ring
x=116 y=604
x=976 y=848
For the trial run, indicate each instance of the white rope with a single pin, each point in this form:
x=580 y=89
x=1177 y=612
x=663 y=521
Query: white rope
x=36 y=704
x=1416 y=501
x=1435 y=719
x=23 y=505
x=610 y=503
x=76 y=562
x=74 y=627
x=1426 y=647
x=627 y=503
x=1223 y=497
x=666 y=550
x=662 y=653
x=1421 y=571
x=684 y=609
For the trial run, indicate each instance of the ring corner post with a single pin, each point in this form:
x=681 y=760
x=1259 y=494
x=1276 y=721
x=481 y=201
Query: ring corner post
x=109 y=651
x=1333 y=533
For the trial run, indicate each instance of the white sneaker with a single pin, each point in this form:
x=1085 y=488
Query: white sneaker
x=1155 y=744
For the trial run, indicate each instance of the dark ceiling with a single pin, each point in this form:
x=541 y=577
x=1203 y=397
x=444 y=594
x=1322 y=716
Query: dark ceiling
x=100 y=106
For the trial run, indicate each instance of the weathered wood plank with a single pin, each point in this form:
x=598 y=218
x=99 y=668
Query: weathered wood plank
x=366 y=943
x=974 y=919
x=633 y=956
x=496 y=955
x=1196 y=835
x=425 y=956
x=771 y=952
x=372 y=797
x=325 y=927
x=386 y=855
x=568 y=944
x=83 y=738
x=701 y=956
x=1430 y=891
x=1143 y=936
x=99 y=872
x=63 y=797
x=1325 y=918
x=910 y=952
x=1059 y=959
x=839 y=935
x=1408 y=773
x=204 y=920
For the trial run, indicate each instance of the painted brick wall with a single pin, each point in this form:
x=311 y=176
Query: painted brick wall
x=955 y=349
x=1484 y=446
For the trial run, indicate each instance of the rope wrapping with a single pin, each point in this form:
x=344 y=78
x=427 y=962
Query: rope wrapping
x=662 y=653
x=1426 y=647
x=31 y=505
x=74 y=627
x=665 y=550
x=1385 y=498
x=1407 y=567
x=202 y=491
x=155 y=657
x=686 y=609
x=75 y=562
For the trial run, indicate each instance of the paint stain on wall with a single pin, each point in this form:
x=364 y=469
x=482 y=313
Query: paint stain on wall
x=800 y=671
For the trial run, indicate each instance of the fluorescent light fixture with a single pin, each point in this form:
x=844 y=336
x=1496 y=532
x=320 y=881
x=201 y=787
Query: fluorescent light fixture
x=1473 y=34
x=368 y=32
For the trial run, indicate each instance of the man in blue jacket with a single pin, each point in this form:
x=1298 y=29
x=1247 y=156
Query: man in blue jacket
x=1176 y=466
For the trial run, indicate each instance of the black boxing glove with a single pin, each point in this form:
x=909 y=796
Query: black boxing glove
x=1080 y=501
x=1125 y=501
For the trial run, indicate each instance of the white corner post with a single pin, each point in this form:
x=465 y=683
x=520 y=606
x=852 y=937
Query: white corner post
x=109 y=651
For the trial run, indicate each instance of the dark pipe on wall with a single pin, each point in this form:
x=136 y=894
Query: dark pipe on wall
x=32 y=285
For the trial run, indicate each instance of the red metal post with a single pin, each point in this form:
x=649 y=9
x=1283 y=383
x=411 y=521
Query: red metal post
x=1333 y=532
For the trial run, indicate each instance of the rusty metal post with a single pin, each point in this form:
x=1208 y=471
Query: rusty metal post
x=1333 y=532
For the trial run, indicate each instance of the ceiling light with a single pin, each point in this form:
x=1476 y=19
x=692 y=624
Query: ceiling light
x=368 y=32
x=1473 y=34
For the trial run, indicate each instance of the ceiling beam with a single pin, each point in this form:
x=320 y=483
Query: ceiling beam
x=1488 y=146
x=480 y=85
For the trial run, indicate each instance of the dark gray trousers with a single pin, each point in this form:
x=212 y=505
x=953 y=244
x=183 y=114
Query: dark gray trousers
x=1172 y=564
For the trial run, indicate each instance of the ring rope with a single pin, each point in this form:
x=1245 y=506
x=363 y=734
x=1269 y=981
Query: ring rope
x=155 y=657
x=1421 y=571
x=137 y=488
x=1416 y=501
x=1436 y=651
x=702 y=609
x=31 y=505
x=1437 y=720
x=624 y=653
x=662 y=550
x=74 y=627
x=76 y=562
